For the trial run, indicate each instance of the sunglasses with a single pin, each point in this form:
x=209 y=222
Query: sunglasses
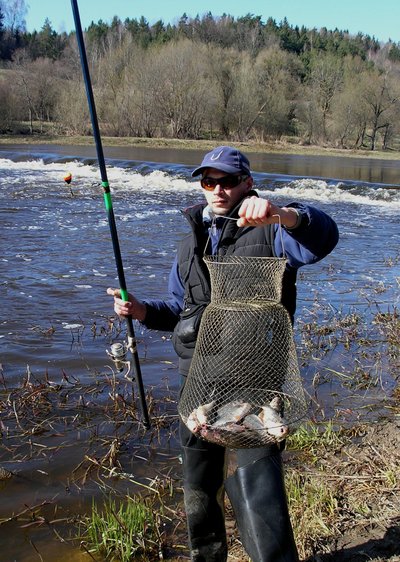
x=226 y=182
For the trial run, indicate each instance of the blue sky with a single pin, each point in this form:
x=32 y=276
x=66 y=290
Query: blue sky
x=376 y=18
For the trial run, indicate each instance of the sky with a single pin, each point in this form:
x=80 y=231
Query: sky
x=380 y=19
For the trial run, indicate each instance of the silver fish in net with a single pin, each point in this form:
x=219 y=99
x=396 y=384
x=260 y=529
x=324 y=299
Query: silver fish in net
x=234 y=422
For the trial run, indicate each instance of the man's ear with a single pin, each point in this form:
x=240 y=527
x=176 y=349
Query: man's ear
x=249 y=183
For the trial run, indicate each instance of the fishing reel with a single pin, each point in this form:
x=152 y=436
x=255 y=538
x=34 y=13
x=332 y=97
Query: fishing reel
x=117 y=353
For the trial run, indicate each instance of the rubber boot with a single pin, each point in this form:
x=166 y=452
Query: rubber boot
x=203 y=479
x=257 y=494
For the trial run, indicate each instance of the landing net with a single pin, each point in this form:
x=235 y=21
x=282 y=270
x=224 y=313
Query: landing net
x=244 y=387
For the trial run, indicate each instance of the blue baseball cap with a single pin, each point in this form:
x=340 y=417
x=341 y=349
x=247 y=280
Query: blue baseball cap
x=225 y=158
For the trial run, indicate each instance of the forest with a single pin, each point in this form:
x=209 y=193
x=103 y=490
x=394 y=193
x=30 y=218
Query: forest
x=208 y=77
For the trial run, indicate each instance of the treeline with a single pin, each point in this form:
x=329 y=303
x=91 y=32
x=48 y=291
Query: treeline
x=204 y=77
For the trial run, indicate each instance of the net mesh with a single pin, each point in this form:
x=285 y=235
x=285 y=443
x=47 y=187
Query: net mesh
x=244 y=387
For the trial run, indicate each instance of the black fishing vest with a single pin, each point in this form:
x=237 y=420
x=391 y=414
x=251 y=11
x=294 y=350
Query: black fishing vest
x=248 y=241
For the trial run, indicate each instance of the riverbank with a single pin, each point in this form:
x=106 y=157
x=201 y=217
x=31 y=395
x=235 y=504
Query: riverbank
x=343 y=489
x=278 y=147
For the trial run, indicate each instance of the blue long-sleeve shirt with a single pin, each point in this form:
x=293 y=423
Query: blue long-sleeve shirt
x=315 y=238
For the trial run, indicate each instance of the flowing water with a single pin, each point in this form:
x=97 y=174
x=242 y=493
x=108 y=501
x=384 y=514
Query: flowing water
x=56 y=262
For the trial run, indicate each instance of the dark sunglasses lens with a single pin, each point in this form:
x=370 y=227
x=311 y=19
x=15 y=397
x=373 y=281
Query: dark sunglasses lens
x=208 y=183
x=225 y=182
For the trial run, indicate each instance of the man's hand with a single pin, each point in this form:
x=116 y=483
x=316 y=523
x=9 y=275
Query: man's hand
x=132 y=307
x=257 y=211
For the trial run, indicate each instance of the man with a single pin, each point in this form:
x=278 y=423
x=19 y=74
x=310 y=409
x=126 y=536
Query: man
x=256 y=490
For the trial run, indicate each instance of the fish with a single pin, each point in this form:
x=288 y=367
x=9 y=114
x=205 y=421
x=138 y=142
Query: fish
x=235 y=425
x=198 y=418
x=276 y=403
x=273 y=421
x=229 y=435
x=252 y=421
x=203 y=411
x=231 y=412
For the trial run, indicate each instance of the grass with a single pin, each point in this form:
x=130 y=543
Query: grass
x=124 y=532
x=313 y=508
x=311 y=437
x=351 y=485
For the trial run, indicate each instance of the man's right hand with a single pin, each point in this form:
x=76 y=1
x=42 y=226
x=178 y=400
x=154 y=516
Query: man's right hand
x=131 y=307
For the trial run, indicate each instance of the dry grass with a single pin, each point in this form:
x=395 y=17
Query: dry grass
x=341 y=483
x=348 y=489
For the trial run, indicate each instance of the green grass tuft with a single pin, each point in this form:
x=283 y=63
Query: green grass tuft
x=125 y=532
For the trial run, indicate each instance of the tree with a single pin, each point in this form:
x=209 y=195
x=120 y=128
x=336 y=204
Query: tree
x=381 y=97
x=179 y=68
x=277 y=77
x=95 y=38
x=2 y=31
x=71 y=111
x=14 y=12
x=349 y=117
x=249 y=34
x=47 y=42
x=141 y=110
x=244 y=104
x=224 y=65
x=325 y=80
x=12 y=24
x=394 y=52
x=112 y=93
x=7 y=106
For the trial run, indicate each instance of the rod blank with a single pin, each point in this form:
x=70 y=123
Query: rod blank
x=109 y=209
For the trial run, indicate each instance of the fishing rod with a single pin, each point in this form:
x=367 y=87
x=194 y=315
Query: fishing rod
x=109 y=208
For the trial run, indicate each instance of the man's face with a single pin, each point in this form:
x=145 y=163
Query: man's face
x=223 y=199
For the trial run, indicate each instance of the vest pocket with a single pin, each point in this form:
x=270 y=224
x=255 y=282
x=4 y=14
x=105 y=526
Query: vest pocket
x=188 y=325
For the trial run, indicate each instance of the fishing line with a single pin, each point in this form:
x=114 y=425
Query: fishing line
x=131 y=344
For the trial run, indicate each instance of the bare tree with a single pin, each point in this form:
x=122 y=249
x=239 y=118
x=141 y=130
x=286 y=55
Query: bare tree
x=244 y=106
x=8 y=106
x=179 y=68
x=326 y=79
x=71 y=111
x=143 y=91
x=224 y=67
x=349 y=119
x=308 y=116
x=38 y=96
x=381 y=98
x=277 y=76
x=14 y=12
